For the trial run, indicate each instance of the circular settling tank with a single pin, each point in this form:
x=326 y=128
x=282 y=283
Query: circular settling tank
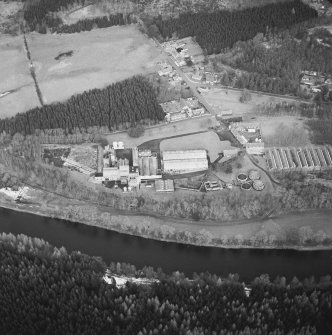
x=254 y=175
x=246 y=186
x=242 y=177
x=258 y=185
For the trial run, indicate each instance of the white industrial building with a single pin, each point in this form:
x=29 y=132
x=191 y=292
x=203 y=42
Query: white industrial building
x=184 y=161
x=256 y=148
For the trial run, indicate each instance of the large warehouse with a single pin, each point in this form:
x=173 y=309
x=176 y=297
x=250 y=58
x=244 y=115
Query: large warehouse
x=184 y=161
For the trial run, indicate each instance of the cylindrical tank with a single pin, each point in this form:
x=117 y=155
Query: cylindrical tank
x=242 y=177
x=258 y=185
x=254 y=175
x=246 y=186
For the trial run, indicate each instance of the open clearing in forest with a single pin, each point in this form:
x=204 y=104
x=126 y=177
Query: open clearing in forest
x=208 y=141
x=99 y=58
x=99 y=8
x=223 y=99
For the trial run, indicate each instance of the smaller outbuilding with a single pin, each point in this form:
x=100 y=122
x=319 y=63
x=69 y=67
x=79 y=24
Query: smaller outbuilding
x=229 y=153
x=166 y=185
x=256 y=148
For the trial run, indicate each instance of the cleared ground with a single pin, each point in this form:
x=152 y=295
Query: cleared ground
x=165 y=130
x=208 y=141
x=15 y=77
x=100 y=57
x=224 y=99
x=194 y=49
x=284 y=131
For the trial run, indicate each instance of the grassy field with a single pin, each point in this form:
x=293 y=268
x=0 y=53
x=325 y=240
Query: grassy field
x=284 y=131
x=208 y=141
x=100 y=57
x=223 y=99
x=164 y=130
x=15 y=77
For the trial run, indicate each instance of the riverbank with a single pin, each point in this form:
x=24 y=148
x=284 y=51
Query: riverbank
x=297 y=231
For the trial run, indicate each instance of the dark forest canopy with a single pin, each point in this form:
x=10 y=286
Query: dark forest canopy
x=219 y=30
x=46 y=290
x=89 y=24
x=35 y=11
x=273 y=62
x=124 y=103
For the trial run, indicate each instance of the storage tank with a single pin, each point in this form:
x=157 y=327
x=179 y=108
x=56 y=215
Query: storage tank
x=258 y=185
x=246 y=186
x=254 y=175
x=242 y=177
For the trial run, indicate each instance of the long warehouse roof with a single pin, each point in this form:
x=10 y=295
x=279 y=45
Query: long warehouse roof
x=184 y=155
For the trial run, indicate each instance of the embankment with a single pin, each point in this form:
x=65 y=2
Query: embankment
x=300 y=231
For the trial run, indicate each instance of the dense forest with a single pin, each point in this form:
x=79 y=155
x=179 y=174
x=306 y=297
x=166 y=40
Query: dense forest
x=46 y=290
x=123 y=103
x=35 y=11
x=273 y=62
x=89 y=24
x=221 y=29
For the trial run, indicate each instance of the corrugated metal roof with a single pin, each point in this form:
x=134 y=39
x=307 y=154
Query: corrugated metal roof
x=184 y=154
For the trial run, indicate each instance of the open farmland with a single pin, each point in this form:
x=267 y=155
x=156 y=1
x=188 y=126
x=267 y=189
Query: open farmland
x=15 y=78
x=99 y=57
x=208 y=141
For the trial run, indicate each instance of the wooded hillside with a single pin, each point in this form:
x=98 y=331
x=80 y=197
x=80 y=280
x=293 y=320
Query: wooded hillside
x=221 y=29
x=46 y=290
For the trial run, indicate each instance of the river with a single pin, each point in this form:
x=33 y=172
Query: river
x=112 y=246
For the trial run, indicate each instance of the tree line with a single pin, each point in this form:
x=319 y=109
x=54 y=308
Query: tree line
x=42 y=15
x=44 y=289
x=36 y=12
x=123 y=103
x=89 y=24
x=218 y=30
